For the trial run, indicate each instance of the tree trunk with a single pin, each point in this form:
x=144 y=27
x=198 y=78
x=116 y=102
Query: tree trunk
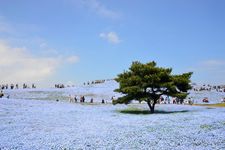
x=151 y=106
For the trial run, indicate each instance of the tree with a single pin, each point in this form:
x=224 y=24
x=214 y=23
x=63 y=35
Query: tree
x=147 y=82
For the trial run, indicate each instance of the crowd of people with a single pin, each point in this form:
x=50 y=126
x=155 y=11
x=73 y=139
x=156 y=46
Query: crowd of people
x=189 y=100
x=11 y=87
x=59 y=86
x=162 y=100
x=96 y=82
x=15 y=86
x=1 y=94
x=82 y=99
x=209 y=87
x=8 y=86
x=170 y=100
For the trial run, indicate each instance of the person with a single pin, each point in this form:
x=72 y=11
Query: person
x=75 y=98
x=11 y=86
x=70 y=99
x=80 y=99
x=174 y=100
x=33 y=86
x=91 y=101
x=112 y=98
x=161 y=100
x=190 y=102
x=181 y=101
x=166 y=100
x=103 y=101
x=83 y=99
x=205 y=100
x=1 y=94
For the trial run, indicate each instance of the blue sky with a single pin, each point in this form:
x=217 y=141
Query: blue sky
x=72 y=41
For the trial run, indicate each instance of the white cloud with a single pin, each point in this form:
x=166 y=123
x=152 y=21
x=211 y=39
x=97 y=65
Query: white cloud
x=100 y=8
x=72 y=59
x=111 y=37
x=17 y=65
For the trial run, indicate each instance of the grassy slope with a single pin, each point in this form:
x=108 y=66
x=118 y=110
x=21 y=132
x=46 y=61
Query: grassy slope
x=211 y=105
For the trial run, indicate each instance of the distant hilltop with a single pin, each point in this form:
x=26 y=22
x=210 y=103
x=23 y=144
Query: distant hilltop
x=208 y=87
x=96 y=81
x=93 y=82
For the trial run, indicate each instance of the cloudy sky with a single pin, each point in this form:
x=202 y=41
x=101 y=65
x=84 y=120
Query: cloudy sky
x=72 y=41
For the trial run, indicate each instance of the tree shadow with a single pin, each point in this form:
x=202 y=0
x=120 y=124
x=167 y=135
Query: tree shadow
x=146 y=112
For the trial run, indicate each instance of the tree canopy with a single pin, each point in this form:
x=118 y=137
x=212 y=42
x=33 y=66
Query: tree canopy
x=147 y=82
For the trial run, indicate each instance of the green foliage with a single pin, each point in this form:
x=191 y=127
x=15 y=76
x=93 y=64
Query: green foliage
x=147 y=82
x=133 y=110
x=138 y=111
